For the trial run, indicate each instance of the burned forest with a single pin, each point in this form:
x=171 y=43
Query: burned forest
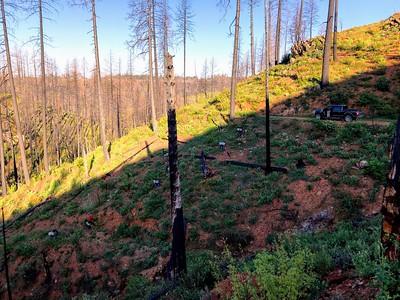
x=181 y=149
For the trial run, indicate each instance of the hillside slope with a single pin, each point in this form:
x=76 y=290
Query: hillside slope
x=236 y=207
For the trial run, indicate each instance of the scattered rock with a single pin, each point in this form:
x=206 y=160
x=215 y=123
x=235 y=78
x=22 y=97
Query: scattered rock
x=318 y=221
x=156 y=183
x=53 y=233
x=362 y=165
x=393 y=23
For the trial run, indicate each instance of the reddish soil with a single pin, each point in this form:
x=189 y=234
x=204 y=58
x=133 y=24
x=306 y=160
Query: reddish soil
x=344 y=285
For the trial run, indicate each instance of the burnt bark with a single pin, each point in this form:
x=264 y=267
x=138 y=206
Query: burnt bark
x=178 y=255
x=327 y=46
x=335 y=29
x=235 y=62
x=390 y=235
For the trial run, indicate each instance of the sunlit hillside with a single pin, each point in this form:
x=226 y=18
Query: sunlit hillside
x=313 y=223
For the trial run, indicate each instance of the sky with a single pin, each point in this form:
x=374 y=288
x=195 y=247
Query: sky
x=69 y=31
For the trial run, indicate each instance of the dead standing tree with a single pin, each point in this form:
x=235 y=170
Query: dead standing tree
x=235 y=59
x=40 y=7
x=252 y=4
x=268 y=165
x=14 y=94
x=91 y=5
x=178 y=256
x=141 y=18
x=335 y=30
x=278 y=33
x=391 y=204
x=184 y=19
x=327 y=46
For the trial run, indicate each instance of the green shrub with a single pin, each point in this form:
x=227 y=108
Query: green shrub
x=325 y=127
x=278 y=275
x=137 y=288
x=352 y=131
x=153 y=207
x=377 y=169
x=25 y=249
x=126 y=231
x=348 y=206
x=383 y=84
x=236 y=239
x=341 y=96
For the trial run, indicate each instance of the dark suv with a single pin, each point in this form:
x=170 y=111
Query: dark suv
x=338 y=112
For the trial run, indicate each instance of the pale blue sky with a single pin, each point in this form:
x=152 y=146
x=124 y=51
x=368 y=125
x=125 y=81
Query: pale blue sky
x=71 y=39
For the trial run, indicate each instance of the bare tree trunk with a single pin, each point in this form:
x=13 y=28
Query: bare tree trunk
x=157 y=78
x=335 y=30
x=253 y=60
x=390 y=234
x=235 y=62
x=184 y=57
x=14 y=96
x=212 y=75
x=2 y=160
x=269 y=58
x=44 y=91
x=119 y=129
x=103 y=136
x=151 y=77
x=178 y=255
x=267 y=9
x=278 y=33
x=327 y=46
x=299 y=27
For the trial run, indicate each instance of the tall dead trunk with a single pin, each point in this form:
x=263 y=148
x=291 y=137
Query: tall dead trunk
x=103 y=136
x=269 y=44
x=278 y=33
x=165 y=42
x=235 y=62
x=267 y=14
x=44 y=91
x=151 y=76
x=185 y=102
x=390 y=235
x=2 y=159
x=157 y=78
x=327 y=46
x=14 y=96
x=178 y=254
x=252 y=48
x=335 y=30
x=299 y=27
x=119 y=129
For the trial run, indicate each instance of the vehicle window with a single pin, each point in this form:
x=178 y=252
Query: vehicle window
x=336 y=108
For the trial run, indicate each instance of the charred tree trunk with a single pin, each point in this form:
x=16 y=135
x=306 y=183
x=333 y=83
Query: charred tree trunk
x=235 y=62
x=103 y=135
x=267 y=120
x=44 y=91
x=278 y=33
x=2 y=159
x=151 y=77
x=178 y=255
x=14 y=96
x=327 y=46
x=252 y=48
x=335 y=29
x=391 y=204
x=6 y=258
x=157 y=77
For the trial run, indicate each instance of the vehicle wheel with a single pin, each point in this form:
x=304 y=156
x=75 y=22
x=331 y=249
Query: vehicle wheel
x=348 y=118
x=318 y=116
